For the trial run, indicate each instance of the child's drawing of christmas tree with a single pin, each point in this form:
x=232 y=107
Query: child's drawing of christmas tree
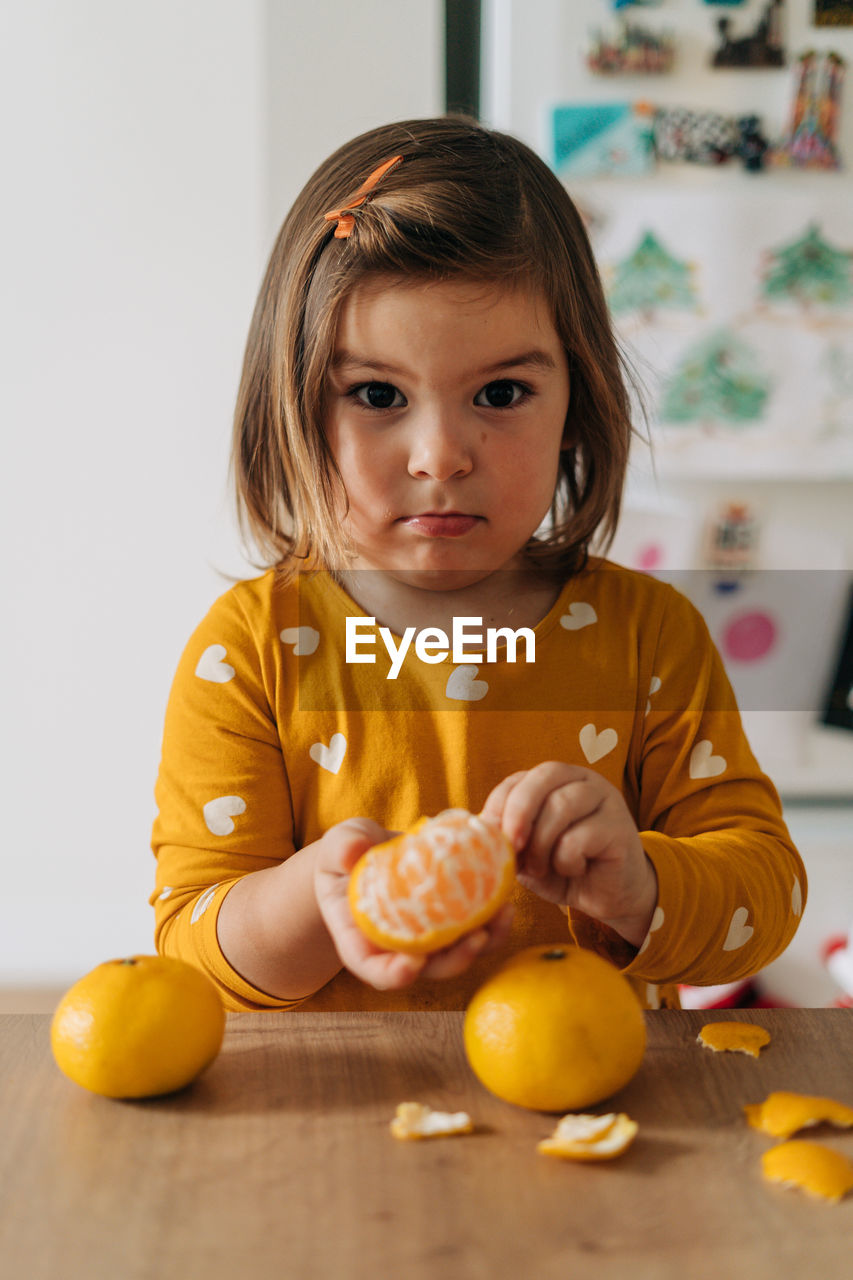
x=650 y=279
x=807 y=271
x=716 y=381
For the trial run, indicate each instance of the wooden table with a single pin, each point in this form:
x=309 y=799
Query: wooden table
x=278 y=1162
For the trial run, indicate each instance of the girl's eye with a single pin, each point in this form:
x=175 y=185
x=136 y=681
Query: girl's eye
x=378 y=395
x=504 y=394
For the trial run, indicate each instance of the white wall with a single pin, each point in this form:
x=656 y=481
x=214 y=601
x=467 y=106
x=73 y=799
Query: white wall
x=142 y=147
x=338 y=69
x=131 y=240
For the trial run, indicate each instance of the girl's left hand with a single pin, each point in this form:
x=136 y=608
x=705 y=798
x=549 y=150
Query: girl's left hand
x=577 y=844
x=336 y=854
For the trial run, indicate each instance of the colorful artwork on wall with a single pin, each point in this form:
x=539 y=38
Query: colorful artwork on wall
x=760 y=47
x=735 y=308
x=811 y=142
x=650 y=280
x=601 y=138
x=630 y=49
x=833 y=13
x=683 y=134
x=719 y=379
x=808 y=271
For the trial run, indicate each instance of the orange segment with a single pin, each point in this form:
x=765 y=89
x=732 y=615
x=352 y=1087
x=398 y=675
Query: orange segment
x=816 y=1169
x=782 y=1114
x=734 y=1037
x=426 y=888
x=582 y=1137
x=414 y=1120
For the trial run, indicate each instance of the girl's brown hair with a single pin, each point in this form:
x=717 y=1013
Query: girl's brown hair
x=466 y=202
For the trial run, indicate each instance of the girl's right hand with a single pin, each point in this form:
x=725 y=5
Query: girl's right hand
x=337 y=852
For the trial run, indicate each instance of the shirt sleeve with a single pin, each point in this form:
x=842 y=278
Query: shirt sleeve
x=224 y=804
x=731 y=885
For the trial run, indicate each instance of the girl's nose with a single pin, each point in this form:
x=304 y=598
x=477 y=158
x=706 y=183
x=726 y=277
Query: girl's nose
x=438 y=451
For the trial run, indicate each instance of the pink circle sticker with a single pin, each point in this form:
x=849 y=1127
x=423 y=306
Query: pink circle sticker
x=649 y=556
x=750 y=636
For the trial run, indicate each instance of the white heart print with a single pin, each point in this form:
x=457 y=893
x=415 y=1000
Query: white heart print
x=739 y=931
x=657 y=922
x=580 y=615
x=329 y=757
x=797 y=898
x=597 y=745
x=203 y=903
x=219 y=814
x=703 y=764
x=211 y=667
x=653 y=689
x=463 y=685
x=303 y=639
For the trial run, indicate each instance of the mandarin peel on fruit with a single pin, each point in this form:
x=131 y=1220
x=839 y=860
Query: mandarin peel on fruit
x=555 y=1028
x=427 y=887
x=734 y=1037
x=590 y=1138
x=414 y=1121
x=138 y=1027
x=814 y=1168
x=782 y=1114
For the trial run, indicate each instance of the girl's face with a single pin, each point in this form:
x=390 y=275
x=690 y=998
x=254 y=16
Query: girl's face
x=446 y=414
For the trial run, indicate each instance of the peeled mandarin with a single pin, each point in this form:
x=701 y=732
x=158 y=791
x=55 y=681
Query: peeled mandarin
x=428 y=887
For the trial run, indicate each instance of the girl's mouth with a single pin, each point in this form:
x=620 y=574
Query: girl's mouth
x=451 y=524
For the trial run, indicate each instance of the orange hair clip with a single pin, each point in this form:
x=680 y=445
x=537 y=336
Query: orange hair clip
x=344 y=216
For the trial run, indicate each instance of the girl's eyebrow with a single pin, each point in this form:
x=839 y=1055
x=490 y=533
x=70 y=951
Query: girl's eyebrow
x=352 y=360
x=526 y=360
x=529 y=360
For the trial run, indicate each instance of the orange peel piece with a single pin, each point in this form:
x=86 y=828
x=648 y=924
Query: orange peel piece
x=816 y=1169
x=734 y=1037
x=782 y=1114
x=587 y=1137
x=415 y=1120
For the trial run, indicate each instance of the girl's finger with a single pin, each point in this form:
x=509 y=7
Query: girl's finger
x=456 y=959
x=525 y=802
x=388 y=970
x=348 y=840
x=492 y=810
x=562 y=811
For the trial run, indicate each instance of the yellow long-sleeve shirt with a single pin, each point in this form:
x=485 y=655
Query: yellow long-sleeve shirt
x=272 y=737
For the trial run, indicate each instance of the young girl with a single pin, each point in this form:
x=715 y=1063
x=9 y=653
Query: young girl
x=432 y=428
